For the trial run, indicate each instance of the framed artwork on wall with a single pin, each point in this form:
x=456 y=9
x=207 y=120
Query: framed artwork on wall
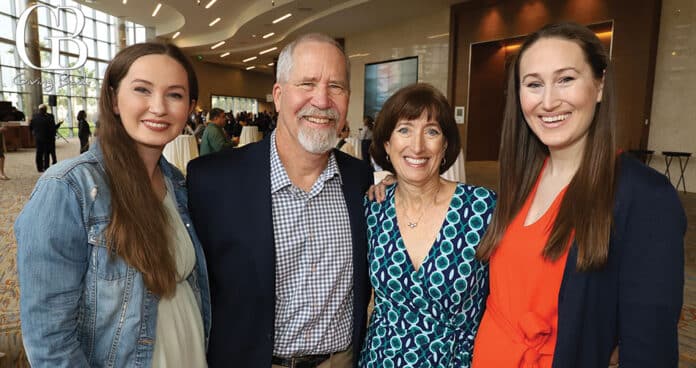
x=384 y=78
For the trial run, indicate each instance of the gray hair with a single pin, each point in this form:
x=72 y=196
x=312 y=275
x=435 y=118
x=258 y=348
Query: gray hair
x=285 y=61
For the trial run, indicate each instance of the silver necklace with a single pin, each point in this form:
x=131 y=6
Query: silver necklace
x=412 y=224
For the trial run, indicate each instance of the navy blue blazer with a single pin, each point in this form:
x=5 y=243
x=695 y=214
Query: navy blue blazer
x=230 y=205
x=636 y=299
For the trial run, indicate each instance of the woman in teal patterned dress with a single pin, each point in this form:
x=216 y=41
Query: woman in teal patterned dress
x=429 y=288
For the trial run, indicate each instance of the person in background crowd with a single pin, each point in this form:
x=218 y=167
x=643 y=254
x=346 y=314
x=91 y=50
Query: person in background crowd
x=422 y=240
x=214 y=139
x=83 y=131
x=2 y=154
x=110 y=269
x=342 y=144
x=43 y=127
x=289 y=287
x=365 y=136
x=586 y=245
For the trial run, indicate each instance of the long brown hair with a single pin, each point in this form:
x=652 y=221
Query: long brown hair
x=588 y=203
x=139 y=228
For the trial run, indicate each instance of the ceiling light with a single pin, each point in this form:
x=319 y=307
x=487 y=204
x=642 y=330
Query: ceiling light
x=439 y=35
x=214 y=22
x=250 y=67
x=249 y=59
x=176 y=35
x=217 y=45
x=125 y=1
x=271 y=64
x=157 y=9
x=210 y=4
x=284 y=17
x=225 y=54
x=268 y=35
x=268 y=50
x=358 y=55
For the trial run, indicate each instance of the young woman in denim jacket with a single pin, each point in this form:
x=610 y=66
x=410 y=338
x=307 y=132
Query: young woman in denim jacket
x=111 y=272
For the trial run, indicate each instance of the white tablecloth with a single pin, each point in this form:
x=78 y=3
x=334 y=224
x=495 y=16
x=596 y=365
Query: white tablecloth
x=249 y=134
x=181 y=150
x=457 y=172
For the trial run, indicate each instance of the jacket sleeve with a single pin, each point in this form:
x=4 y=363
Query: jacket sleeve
x=651 y=278
x=52 y=255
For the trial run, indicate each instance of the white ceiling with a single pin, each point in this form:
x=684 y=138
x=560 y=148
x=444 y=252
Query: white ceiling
x=244 y=22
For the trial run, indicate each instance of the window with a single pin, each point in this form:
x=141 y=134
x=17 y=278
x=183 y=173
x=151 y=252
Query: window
x=236 y=104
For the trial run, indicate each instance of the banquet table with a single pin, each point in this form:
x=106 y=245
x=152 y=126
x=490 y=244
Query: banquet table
x=181 y=150
x=457 y=172
x=249 y=134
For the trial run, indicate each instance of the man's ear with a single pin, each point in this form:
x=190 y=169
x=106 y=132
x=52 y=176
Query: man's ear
x=277 y=92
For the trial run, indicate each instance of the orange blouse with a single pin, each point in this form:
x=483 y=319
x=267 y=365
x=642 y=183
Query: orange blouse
x=521 y=318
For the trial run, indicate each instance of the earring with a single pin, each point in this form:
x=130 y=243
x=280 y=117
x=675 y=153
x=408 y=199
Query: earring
x=388 y=160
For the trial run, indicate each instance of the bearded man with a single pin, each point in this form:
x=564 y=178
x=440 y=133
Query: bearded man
x=287 y=255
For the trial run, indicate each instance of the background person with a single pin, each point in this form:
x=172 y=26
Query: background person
x=110 y=270
x=214 y=139
x=83 y=131
x=43 y=127
x=586 y=246
x=422 y=240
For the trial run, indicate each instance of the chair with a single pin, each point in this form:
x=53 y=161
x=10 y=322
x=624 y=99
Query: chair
x=58 y=135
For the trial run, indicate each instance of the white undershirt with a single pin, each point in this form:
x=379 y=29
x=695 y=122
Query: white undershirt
x=179 y=340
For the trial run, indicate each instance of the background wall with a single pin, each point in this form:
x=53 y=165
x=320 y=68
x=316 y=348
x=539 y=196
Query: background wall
x=673 y=119
x=398 y=41
x=214 y=79
x=633 y=53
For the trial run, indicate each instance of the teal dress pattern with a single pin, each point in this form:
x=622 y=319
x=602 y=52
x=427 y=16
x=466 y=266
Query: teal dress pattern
x=428 y=317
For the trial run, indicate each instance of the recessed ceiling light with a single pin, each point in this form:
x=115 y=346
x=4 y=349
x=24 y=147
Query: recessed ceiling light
x=214 y=22
x=284 y=17
x=358 y=55
x=271 y=64
x=157 y=9
x=125 y=1
x=268 y=50
x=250 y=67
x=268 y=35
x=225 y=54
x=210 y=4
x=249 y=59
x=176 y=35
x=217 y=45
x=439 y=35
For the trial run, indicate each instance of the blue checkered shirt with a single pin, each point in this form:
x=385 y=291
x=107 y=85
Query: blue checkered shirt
x=314 y=266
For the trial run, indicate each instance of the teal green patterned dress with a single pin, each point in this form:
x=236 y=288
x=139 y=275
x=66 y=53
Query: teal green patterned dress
x=429 y=317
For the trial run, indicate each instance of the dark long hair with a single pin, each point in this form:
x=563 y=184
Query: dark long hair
x=139 y=227
x=588 y=203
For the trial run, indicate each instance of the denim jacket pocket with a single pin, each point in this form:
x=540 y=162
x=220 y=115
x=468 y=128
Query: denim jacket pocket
x=109 y=266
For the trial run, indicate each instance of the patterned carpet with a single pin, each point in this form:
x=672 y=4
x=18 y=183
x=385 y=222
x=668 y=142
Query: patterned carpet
x=20 y=167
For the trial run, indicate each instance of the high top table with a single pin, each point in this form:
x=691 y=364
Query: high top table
x=669 y=155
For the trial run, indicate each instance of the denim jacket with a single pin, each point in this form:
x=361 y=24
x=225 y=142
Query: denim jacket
x=81 y=307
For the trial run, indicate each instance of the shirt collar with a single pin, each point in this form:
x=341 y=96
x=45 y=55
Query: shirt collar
x=280 y=179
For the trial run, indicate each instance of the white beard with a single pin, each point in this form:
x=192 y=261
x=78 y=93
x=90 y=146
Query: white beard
x=317 y=141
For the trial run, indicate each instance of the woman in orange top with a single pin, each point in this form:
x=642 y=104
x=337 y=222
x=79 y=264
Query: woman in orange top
x=585 y=247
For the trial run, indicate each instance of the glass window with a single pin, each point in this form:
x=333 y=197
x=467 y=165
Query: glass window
x=88 y=31
x=102 y=31
x=6 y=7
x=7 y=27
x=8 y=79
x=101 y=16
x=91 y=51
x=92 y=110
x=7 y=54
x=102 y=69
x=140 y=34
x=103 y=50
x=92 y=86
x=43 y=16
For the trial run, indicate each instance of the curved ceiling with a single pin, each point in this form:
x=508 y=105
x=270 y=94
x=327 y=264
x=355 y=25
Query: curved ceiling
x=243 y=23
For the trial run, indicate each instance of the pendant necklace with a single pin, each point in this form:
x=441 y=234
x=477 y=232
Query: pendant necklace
x=412 y=224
